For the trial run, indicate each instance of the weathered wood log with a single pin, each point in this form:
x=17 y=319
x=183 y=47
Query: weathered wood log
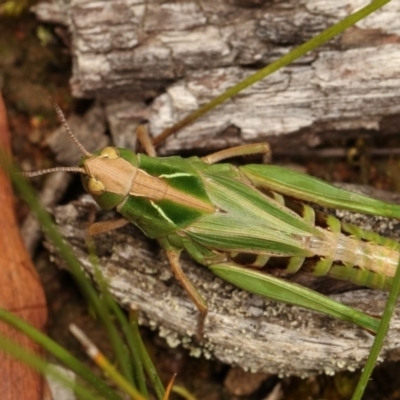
x=176 y=56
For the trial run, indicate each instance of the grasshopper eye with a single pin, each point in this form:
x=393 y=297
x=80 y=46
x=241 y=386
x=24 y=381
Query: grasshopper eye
x=95 y=187
x=109 y=152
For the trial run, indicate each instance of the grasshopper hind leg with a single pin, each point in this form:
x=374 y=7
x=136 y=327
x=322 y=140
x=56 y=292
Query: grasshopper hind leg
x=173 y=258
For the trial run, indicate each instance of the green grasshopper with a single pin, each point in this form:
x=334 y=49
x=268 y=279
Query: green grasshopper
x=238 y=221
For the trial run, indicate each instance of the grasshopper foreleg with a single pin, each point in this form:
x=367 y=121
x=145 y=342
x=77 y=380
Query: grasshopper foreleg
x=105 y=226
x=244 y=150
x=173 y=258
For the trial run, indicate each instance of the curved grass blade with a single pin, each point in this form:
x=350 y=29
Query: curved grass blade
x=183 y=392
x=102 y=361
x=144 y=356
x=138 y=355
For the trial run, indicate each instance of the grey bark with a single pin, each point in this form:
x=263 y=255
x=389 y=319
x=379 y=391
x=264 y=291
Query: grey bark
x=178 y=55
x=158 y=61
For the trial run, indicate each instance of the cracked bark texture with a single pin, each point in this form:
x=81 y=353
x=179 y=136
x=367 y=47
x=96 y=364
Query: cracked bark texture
x=159 y=60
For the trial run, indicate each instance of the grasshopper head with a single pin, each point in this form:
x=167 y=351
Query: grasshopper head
x=107 y=176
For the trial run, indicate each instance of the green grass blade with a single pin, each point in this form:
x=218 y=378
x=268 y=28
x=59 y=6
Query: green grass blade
x=109 y=305
x=139 y=356
x=145 y=359
x=133 y=342
x=107 y=366
x=293 y=55
x=183 y=392
x=288 y=292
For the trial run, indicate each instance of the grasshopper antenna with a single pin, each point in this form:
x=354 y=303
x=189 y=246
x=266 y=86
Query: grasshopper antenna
x=72 y=137
x=55 y=169
x=67 y=128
